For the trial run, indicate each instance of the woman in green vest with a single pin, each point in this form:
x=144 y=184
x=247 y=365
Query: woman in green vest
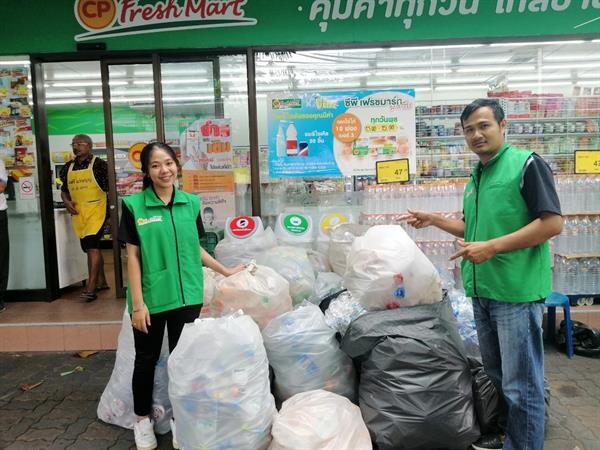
x=161 y=227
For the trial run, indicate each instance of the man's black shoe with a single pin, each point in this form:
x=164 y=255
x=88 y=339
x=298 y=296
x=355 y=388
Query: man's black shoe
x=489 y=442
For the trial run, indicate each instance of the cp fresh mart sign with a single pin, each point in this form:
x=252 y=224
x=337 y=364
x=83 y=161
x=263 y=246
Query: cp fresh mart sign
x=111 y=18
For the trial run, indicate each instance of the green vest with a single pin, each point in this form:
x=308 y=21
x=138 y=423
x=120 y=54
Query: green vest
x=493 y=207
x=169 y=250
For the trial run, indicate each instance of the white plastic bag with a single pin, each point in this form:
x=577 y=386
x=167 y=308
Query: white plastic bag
x=327 y=283
x=219 y=385
x=258 y=290
x=292 y=264
x=232 y=252
x=318 y=260
x=340 y=241
x=305 y=355
x=211 y=279
x=319 y=420
x=116 y=403
x=386 y=269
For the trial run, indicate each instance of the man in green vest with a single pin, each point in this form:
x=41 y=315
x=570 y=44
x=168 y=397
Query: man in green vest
x=510 y=210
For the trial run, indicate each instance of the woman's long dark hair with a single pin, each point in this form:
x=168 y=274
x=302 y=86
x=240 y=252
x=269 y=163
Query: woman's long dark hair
x=145 y=159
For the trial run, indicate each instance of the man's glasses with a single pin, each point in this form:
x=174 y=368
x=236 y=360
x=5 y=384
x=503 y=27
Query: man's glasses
x=76 y=144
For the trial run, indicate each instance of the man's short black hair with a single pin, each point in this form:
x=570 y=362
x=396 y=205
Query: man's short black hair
x=480 y=103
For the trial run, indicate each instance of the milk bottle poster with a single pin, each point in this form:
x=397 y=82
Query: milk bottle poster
x=331 y=134
x=206 y=156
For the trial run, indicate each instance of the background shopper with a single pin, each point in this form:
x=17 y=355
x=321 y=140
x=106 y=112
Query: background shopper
x=84 y=187
x=161 y=227
x=510 y=209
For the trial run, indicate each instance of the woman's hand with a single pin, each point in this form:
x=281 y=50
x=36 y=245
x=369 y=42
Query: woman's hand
x=140 y=318
x=231 y=270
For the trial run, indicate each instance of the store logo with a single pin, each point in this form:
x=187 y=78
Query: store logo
x=111 y=18
x=141 y=221
x=286 y=103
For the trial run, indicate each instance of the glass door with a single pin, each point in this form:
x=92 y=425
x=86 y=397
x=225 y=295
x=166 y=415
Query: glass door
x=130 y=116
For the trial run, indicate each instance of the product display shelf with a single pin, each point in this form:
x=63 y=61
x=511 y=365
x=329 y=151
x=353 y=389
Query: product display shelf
x=551 y=125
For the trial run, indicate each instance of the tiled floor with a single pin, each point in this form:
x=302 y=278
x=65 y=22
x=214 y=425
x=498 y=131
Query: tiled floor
x=68 y=323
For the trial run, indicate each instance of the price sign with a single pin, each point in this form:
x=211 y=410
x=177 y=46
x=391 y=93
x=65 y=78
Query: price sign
x=587 y=161
x=394 y=171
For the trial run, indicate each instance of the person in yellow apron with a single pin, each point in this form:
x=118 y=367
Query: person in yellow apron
x=85 y=183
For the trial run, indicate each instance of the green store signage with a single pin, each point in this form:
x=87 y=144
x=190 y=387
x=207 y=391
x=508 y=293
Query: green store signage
x=57 y=26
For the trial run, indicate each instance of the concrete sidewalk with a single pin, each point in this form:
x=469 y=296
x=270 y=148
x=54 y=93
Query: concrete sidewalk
x=61 y=412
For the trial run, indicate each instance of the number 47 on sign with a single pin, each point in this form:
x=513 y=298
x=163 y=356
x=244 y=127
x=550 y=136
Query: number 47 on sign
x=394 y=171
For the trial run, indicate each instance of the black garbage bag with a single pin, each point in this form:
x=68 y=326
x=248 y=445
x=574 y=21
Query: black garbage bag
x=586 y=340
x=489 y=405
x=415 y=391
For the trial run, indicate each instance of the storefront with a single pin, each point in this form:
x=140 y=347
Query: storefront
x=240 y=87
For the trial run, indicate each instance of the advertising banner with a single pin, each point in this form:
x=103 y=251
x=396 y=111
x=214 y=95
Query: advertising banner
x=206 y=156
x=328 y=134
x=154 y=24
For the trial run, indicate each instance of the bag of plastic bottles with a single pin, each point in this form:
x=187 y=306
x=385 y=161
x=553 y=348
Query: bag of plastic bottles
x=258 y=290
x=462 y=308
x=319 y=420
x=232 y=252
x=318 y=260
x=340 y=241
x=342 y=311
x=116 y=403
x=305 y=355
x=386 y=270
x=211 y=278
x=327 y=283
x=293 y=265
x=219 y=385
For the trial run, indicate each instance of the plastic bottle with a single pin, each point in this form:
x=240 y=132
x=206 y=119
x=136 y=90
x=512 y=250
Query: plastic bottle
x=291 y=140
x=281 y=144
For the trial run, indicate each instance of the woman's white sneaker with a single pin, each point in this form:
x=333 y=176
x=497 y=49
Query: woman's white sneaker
x=143 y=431
x=174 y=443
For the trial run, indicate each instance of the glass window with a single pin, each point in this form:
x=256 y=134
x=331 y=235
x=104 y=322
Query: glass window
x=206 y=118
x=18 y=151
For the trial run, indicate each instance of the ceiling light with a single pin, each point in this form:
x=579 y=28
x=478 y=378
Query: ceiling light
x=589 y=82
x=76 y=83
x=400 y=83
x=571 y=66
x=494 y=60
x=185 y=80
x=422 y=89
x=496 y=69
x=439 y=62
x=535 y=77
x=187 y=98
x=66 y=101
x=540 y=84
x=64 y=94
x=273 y=87
x=132 y=100
x=74 y=76
x=588 y=75
x=14 y=62
x=410 y=72
x=328 y=85
x=143 y=82
x=118 y=92
x=461 y=80
x=463 y=87
x=359 y=50
x=571 y=57
x=438 y=47
x=522 y=44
